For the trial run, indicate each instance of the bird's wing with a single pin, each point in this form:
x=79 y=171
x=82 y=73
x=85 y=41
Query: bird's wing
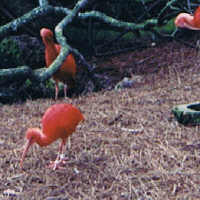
x=60 y=120
x=197 y=17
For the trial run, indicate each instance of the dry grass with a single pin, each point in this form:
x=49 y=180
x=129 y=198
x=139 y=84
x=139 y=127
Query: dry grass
x=129 y=147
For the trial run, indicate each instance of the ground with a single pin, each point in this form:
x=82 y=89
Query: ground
x=130 y=145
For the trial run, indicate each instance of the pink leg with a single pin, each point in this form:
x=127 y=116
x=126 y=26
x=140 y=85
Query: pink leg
x=60 y=157
x=56 y=90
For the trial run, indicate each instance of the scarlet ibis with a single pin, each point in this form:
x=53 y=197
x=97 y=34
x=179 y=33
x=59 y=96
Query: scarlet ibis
x=59 y=121
x=66 y=73
x=185 y=20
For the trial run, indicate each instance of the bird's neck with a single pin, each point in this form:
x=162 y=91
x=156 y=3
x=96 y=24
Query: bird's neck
x=40 y=138
x=50 y=54
x=50 y=51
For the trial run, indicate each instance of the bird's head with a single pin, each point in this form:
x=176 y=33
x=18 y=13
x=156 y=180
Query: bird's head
x=185 y=20
x=181 y=20
x=33 y=136
x=46 y=34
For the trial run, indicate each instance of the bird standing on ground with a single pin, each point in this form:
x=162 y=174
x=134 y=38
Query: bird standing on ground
x=66 y=73
x=59 y=121
x=185 y=20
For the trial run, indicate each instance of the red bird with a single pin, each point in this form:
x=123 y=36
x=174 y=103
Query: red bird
x=185 y=20
x=66 y=73
x=59 y=121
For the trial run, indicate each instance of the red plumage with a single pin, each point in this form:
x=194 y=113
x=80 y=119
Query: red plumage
x=59 y=121
x=197 y=18
x=67 y=72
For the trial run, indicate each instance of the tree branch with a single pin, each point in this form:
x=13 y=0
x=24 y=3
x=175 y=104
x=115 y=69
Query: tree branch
x=65 y=48
x=43 y=2
x=15 y=25
x=44 y=10
x=169 y=4
x=21 y=73
x=8 y=75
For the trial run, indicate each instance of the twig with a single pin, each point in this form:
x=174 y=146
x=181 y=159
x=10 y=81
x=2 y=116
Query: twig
x=8 y=14
x=133 y=131
x=189 y=5
x=169 y=4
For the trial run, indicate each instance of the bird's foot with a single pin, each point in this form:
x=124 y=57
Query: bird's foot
x=58 y=163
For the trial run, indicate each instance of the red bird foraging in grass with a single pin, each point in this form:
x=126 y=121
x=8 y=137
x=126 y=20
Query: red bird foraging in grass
x=66 y=73
x=59 y=121
x=185 y=20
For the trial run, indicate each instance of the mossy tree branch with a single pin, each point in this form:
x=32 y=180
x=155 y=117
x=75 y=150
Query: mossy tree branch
x=65 y=48
x=9 y=75
x=45 y=10
x=116 y=23
x=15 y=25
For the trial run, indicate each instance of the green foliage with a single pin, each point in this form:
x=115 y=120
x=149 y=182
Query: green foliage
x=28 y=83
x=9 y=52
x=49 y=84
x=35 y=89
x=167 y=28
x=10 y=47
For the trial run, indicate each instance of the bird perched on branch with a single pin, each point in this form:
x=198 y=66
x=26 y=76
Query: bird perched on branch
x=59 y=121
x=185 y=20
x=66 y=73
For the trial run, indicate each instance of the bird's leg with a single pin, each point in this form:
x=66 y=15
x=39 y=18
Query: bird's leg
x=60 y=157
x=62 y=148
x=56 y=90
x=65 y=90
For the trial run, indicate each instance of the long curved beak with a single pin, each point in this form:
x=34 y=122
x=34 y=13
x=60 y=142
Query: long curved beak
x=26 y=148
